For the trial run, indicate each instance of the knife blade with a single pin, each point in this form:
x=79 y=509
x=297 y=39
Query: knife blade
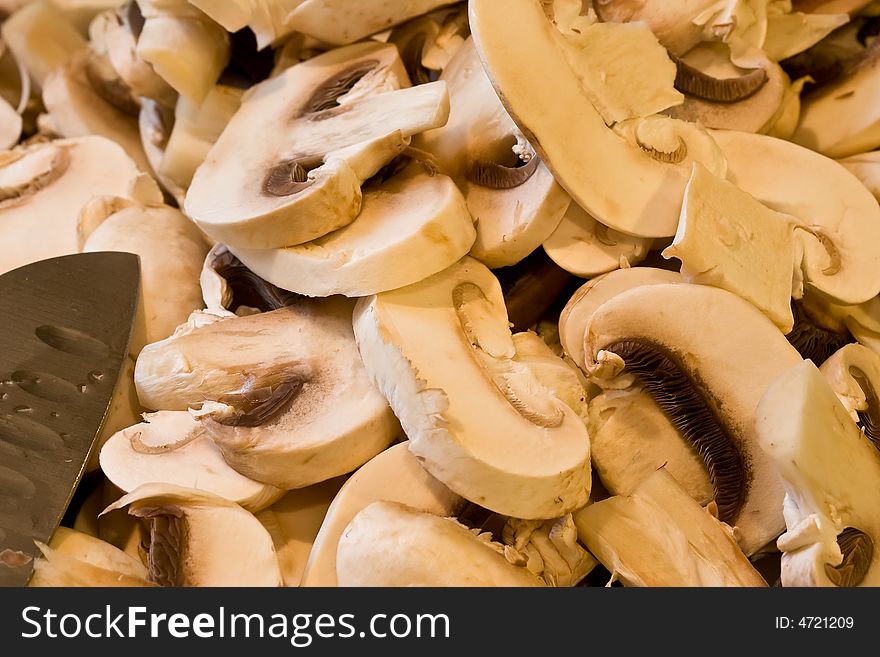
x=65 y=327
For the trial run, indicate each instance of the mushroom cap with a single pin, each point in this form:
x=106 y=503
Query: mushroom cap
x=477 y=419
x=411 y=227
x=59 y=178
x=732 y=368
x=825 y=198
x=189 y=538
x=575 y=316
x=830 y=470
x=525 y=57
x=305 y=181
x=331 y=421
x=391 y=544
x=395 y=475
x=171 y=447
x=659 y=536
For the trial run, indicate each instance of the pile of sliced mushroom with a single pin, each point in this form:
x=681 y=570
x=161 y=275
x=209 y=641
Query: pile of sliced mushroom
x=489 y=293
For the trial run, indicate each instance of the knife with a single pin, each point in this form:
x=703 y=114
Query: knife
x=65 y=327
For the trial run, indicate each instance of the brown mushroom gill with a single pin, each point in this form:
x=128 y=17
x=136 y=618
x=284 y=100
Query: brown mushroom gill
x=260 y=405
x=167 y=531
x=812 y=341
x=682 y=400
x=858 y=552
x=289 y=177
x=248 y=289
x=495 y=175
x=694 y=82
x=135 y=18
x=669 y=157
x=109 y=86
x=15 y=193
x=326 y=95
x=870 y=417
x=412 y=60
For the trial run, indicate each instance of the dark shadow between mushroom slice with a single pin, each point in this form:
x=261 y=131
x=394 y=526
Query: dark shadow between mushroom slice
x=167 y=530
x=474 y=516
x=858 y=552
x=248 y=289
x=326 y=96
x=812 y=341
x=694 y=82
x=412 y=61
x=870 y=417
x=680 y=398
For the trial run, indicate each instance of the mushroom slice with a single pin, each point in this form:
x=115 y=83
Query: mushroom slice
x=171 y=250
x=41 y=38
x=391 y=544
x=708 y=380
x=576 y=314
x=728 y=239
x=266 y=18
x=283 y=394
x=837 y=214
x=477 y=419
x=82 y=12
x=830 y=6
x=720 y=94
x=186 y=48
x=189 y=538
x=196 y=129
x=170 y=447
x=77 y=109
x=659 y=536
x=791 y=33
x=10 y=125
x=43 y=187
x=830 y=469
x=294 y=522
x=586 y=248
x=411 y=227
x=428 y=43
x=395 y=475
x=512 y=196
x=853 y=373
x=75 y=559
x=155 y=123
x=336 y=119
x=839 y=118
x=865 y=167
x=531 y=67
x=339 y=22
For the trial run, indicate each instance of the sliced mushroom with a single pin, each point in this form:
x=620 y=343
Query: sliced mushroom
x=720 y=94
x=512 y=196
x=729 y=240
x=830 y=469
x=586 y=248
x=428 y=43
x=337 y=120
x=294 y=522
x=189 y=539
x=532 y=288
x=865 y=167
x=839 y=118
x=837 y=214
x=390 y=544
x=196 y=129
x=820 y=328
x=477 y=419
x=395 y=475
x=338 y=22
x=576 y=315
x=267 y=20
x=43 y=187
x=411 y=227
x=41 y=38
x=659 y=536
x=283 y=394
x=853 y=372
x=170 y=447
x=792 y=33
x=155 y=123
x=10 y=125
x=708 y=380
x=77 y=109
x=530 y=64
x=227 y=285
x=82 y=12
x=185 y=48
x=74 y=559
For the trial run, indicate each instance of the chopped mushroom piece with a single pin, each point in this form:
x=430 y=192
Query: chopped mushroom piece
x=199 y=539
x=708 y=380
x=479 y=420
x=659 y=536
x=10 y=125
x=831 y=470
x=266 y=18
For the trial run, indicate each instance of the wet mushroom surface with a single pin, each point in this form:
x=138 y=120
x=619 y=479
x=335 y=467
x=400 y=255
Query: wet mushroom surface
x=527 y=293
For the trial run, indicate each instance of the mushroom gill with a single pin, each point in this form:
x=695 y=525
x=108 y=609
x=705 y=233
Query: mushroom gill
x=289 y=177
x=167 y=541
x=869 y=418
x=258 y=406
x=694 y=82
x=680 y=398
x=495 y=175
x=248 y=289
x=326 y=96
x=813 y=341
x=858 y=552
